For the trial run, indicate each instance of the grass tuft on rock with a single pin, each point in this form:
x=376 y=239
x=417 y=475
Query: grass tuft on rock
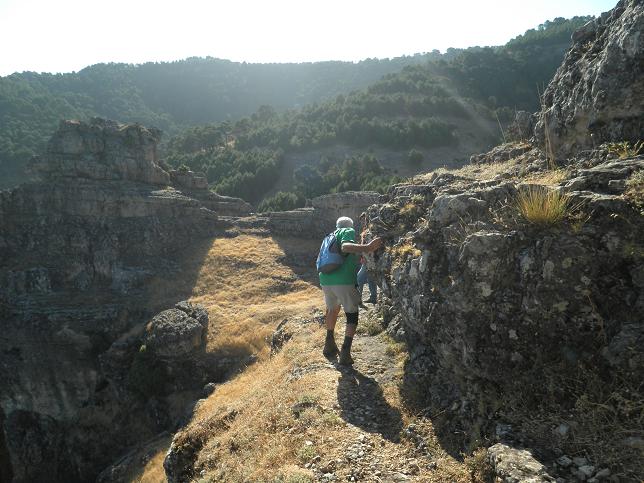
x=540 y=206
x=625 y=149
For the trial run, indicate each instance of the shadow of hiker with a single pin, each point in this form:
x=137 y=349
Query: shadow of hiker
x=363 y=404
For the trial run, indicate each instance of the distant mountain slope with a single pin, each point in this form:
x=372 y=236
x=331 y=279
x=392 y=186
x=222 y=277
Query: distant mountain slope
x=170 y=96
x=420 y=118
x=352 y=142
x=174 y=96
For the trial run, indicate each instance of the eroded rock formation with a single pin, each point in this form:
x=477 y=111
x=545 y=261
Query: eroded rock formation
x=78 y=250
x=519 y=328
x=500 y=312
x=597 y=95
x=319 y=219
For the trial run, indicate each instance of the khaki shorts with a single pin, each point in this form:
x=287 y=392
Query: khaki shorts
x=345 y=295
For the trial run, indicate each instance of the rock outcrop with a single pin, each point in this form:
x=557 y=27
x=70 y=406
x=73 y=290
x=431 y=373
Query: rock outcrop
x=319 y=219
x=524 y=331
x=502 y=313
x=103 y=150
x=597 y=94
x=77 y=252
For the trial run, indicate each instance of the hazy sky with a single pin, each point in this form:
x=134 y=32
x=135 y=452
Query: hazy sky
x=67 y=35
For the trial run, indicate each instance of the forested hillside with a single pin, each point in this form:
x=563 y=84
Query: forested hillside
x=437 y=104
x=170 y=96
x=413 y=108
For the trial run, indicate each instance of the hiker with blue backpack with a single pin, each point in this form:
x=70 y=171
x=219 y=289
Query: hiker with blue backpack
x=337 y=266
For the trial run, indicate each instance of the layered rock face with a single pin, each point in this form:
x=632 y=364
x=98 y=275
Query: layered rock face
x=319 y=219
x=104 y=150
x=77 y=251
x=503 y=313
x=597 y=95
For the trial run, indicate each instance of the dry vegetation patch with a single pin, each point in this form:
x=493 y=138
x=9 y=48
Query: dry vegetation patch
x=548 y=178
x=245 y=288
x=635 y=190
x=475 y=172
x=539 y=205
x=295 y=411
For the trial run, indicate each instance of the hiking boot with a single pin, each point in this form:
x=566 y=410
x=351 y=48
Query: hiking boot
x=345 y=358
x=330 y=348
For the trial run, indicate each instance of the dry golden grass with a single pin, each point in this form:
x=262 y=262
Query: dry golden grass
x=548 y=178
x=266 y=437
x=152 y=457
x=540 y=206
x=247 y=429
x=247 y=292
x=266 y=440
x=245 y=288
x=153 y=471
x=478 y=172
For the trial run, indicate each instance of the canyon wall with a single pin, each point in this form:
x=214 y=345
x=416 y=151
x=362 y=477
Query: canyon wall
x=79 y=249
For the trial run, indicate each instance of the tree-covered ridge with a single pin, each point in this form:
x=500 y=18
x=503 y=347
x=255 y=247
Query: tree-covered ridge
x=170 y=96
x=401 y=111
x=418 y=107
x=176 y=95
x=552 y=32
x=511 y=76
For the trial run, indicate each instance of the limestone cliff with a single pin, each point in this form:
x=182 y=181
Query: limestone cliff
x=319 y=219
x=597 y=95
x=78 y=251
x=501 y=313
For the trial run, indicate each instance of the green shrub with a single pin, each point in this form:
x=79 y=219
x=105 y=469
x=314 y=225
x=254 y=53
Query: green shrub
x=625 y=149
x=281 y=201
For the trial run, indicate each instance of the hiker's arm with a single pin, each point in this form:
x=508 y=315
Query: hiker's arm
x=372 y=246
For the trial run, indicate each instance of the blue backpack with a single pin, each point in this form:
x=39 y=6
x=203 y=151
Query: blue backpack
x=329 y=258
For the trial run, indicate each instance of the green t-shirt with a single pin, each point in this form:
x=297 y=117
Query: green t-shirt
x=346 y=273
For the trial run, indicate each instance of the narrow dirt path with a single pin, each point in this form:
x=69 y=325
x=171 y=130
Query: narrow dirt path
x=294 y=416
x=380 y=443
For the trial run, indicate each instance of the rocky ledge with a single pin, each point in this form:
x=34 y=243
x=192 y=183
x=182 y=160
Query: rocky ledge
x=508 y=318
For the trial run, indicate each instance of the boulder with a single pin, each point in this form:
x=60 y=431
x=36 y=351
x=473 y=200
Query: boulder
x=178 y=332
x=515 y=465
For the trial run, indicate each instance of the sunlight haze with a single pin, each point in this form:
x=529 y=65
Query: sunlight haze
x=68 y=35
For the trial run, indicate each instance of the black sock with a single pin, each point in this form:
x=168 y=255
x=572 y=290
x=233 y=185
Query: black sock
x=346 y=345
x=329 y=333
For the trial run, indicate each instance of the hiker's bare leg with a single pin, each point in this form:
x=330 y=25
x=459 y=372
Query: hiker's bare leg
x=332 y=317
